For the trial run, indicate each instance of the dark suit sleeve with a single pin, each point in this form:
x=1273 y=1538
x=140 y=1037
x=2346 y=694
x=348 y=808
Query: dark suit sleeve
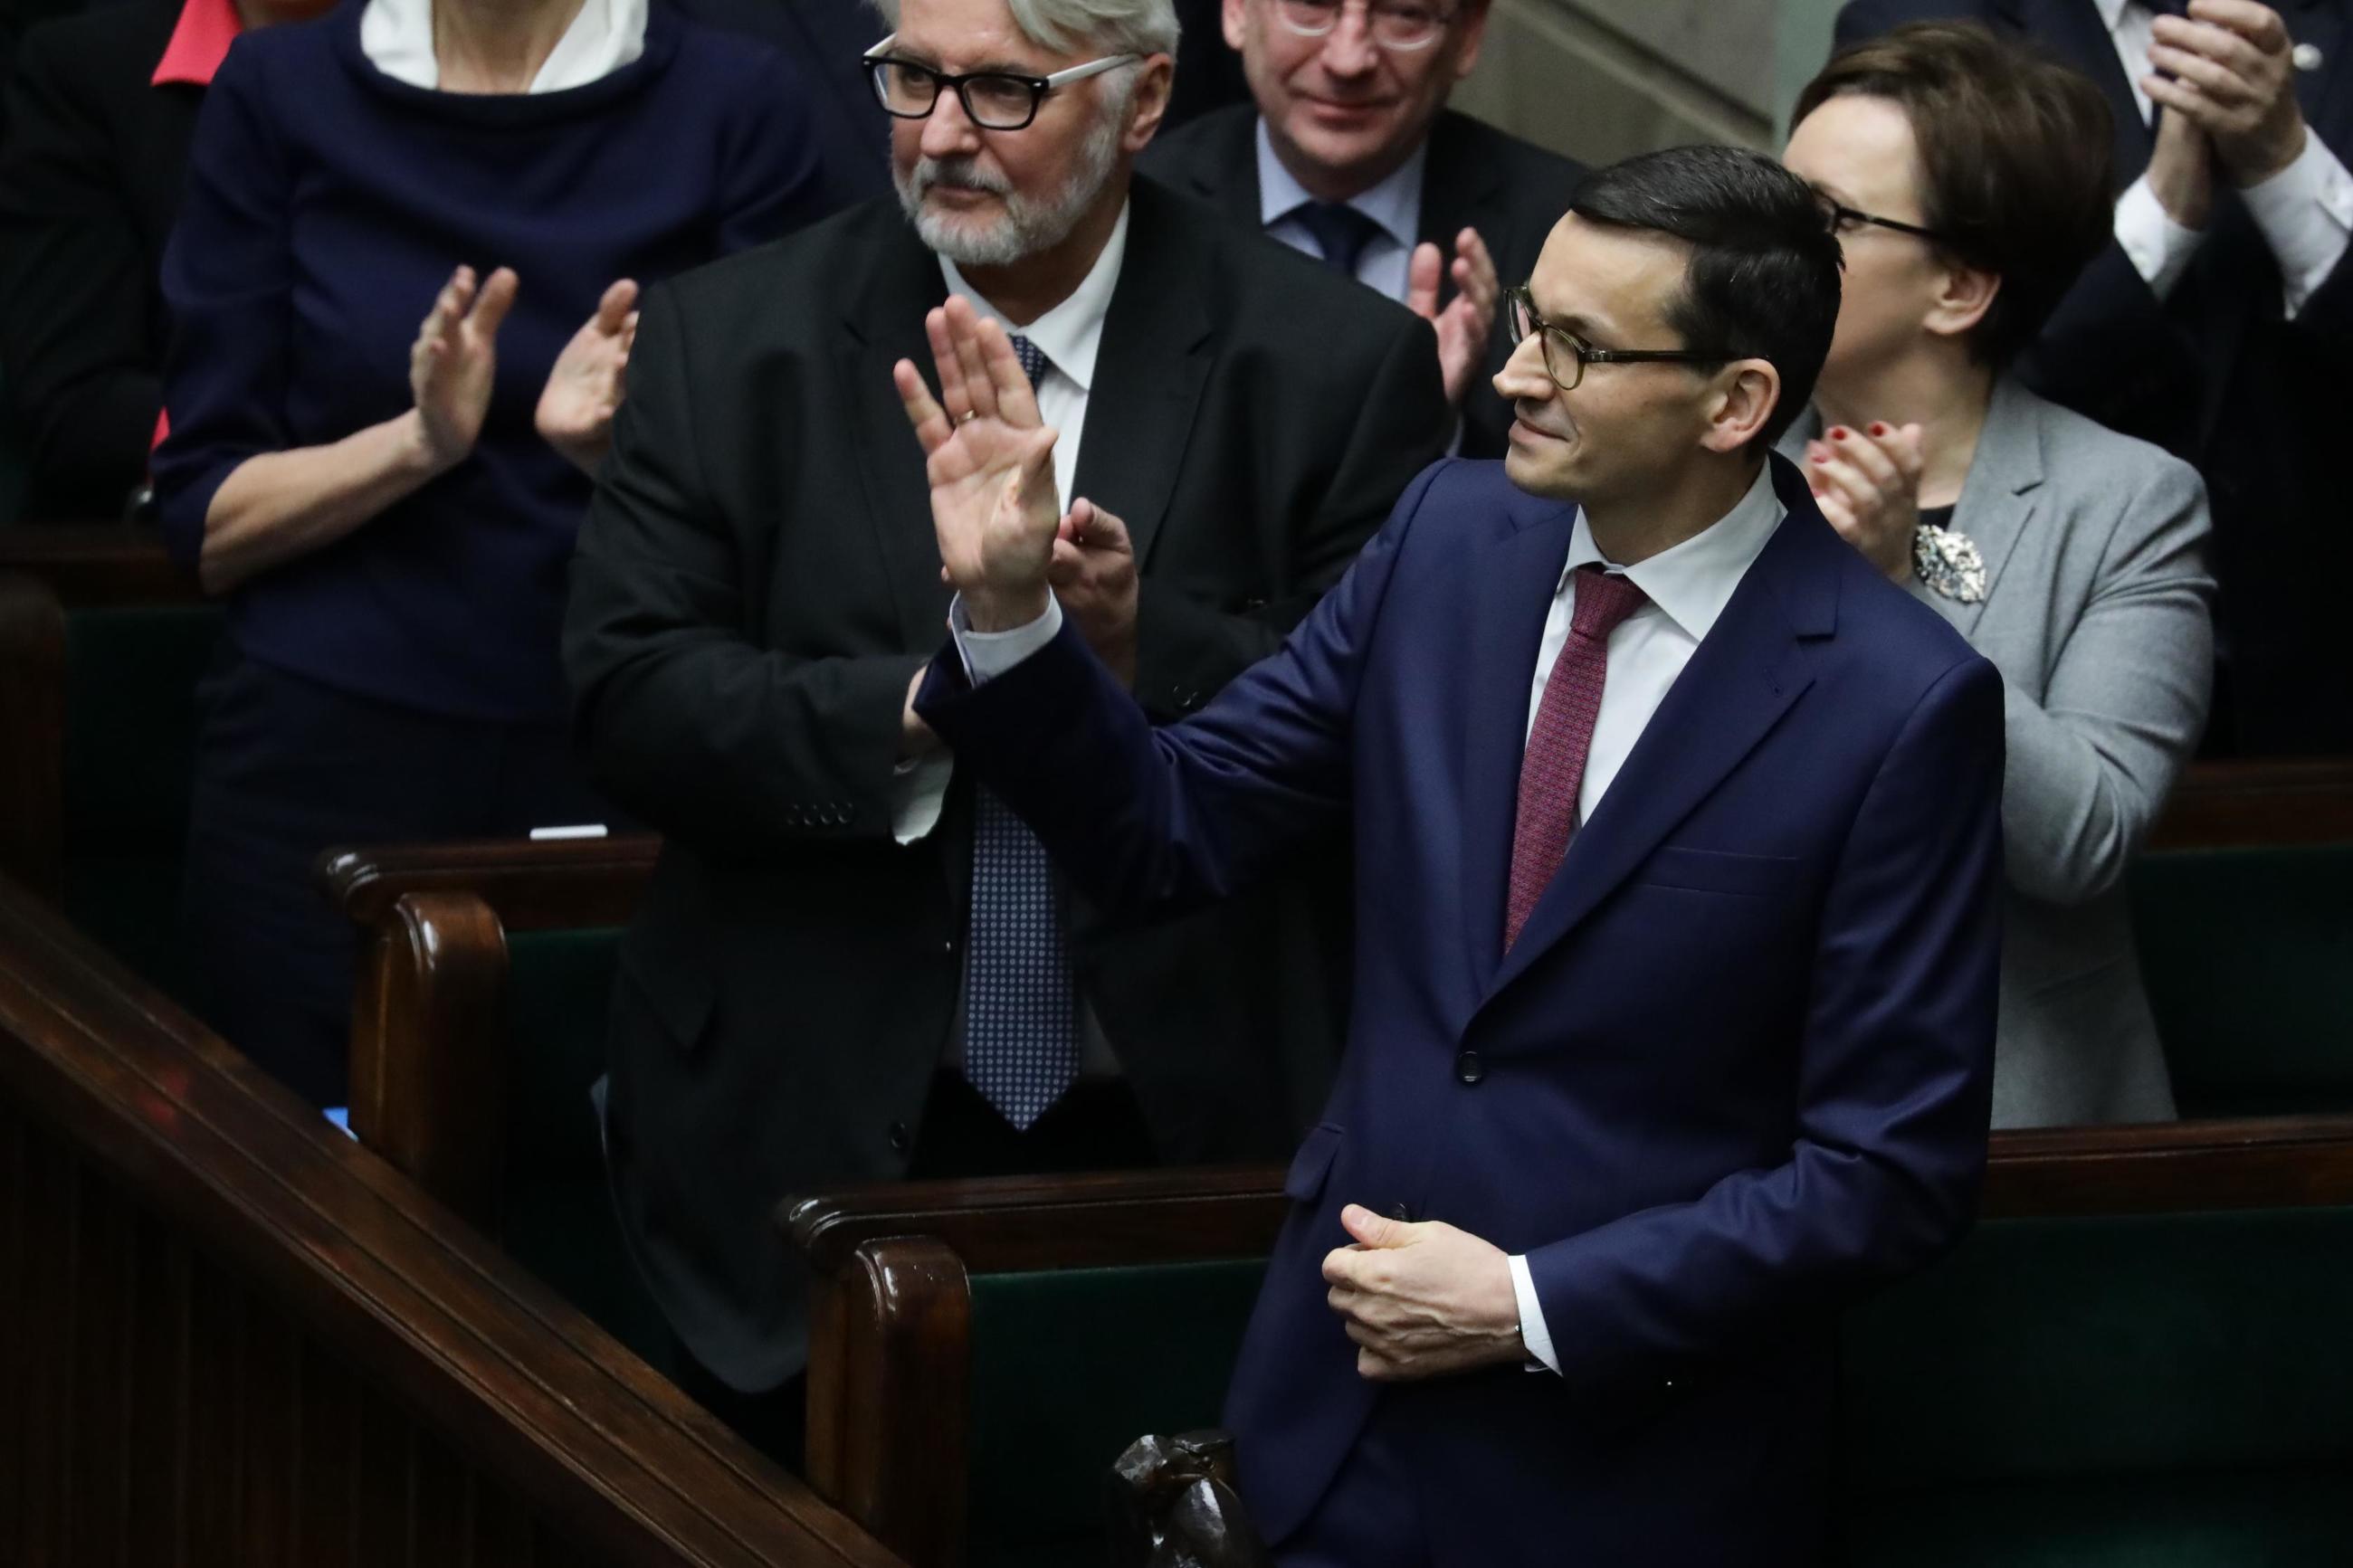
x=1185 y=650
x=75 y=339
x=691 y=724
x=1894 y=1090
x=1147 y=821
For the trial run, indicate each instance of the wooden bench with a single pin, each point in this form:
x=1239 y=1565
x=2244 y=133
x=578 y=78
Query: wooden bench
x=229 y=1334
x=980 y=1350
x=102 y=642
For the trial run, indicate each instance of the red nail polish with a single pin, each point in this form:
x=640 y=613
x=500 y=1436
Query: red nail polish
x=1838 y=432
x=1878 y=429
x=1818 y=456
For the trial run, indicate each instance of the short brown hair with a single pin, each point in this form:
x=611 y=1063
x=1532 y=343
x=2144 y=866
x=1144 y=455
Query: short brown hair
x=2014 y=159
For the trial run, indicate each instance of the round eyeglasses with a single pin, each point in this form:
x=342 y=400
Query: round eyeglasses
x=1565 y=354
x=1395 y=24
x=994 y=100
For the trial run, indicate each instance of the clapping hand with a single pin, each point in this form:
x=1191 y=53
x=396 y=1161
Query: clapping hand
x=454 y=359
x=1094 y=574
x=990 y=462
x=1867 y=484
x=2229 y=70
x=585 y=389
x=1464 y=325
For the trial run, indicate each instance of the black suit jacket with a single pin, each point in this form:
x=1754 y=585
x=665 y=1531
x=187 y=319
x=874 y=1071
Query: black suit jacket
x=2217 y=374
x=757 y=584
x=90 y=183
x=1511 y=191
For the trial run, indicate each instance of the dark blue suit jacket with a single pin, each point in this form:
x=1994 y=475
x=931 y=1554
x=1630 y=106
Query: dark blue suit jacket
x=1733 y=1074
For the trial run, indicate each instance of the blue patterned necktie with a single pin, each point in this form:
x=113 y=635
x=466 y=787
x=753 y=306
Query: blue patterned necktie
x=1341 y=233
x=1021 y=1014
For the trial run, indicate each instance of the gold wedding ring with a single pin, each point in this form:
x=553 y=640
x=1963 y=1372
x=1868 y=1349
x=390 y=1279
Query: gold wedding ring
x=968 y=415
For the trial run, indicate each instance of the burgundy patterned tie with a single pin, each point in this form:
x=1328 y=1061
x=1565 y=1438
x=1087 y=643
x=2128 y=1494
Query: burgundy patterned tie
x=1553 y=769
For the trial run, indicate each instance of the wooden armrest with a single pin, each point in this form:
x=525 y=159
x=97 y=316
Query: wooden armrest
x=531 y=886
x=2228 y=805
x=97 y=564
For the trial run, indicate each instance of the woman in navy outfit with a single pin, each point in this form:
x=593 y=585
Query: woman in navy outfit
x=402 y=287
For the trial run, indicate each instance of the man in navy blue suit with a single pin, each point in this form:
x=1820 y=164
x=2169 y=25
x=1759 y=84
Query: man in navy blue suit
x=1677 y=845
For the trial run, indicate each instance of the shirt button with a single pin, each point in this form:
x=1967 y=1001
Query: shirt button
x=898 y=1139
x=1469 y=1068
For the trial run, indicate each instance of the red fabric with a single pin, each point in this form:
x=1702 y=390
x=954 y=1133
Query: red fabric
x=1552 y=769
x=199 y=43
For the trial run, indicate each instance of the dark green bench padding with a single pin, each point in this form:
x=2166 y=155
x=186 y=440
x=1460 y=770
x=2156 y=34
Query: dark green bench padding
x=556 y=1213
x=2166 y=1390
x=2155 y=1390
x=1068 y=1369
x=129 y=756
x=2248 y=956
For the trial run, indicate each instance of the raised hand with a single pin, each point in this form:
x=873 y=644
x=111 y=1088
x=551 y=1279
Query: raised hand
x=2181 y=169
x=1466 y=323
x=1867 y=483
x=585 y=389
x=1094 y=574
x=990 y=461
x=2228 y=67
x=454 y=359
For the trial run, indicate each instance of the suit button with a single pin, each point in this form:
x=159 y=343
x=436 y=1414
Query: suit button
x=898 y=1139
x=1469 y=1068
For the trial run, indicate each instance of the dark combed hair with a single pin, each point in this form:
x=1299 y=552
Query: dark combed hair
x=1763 y=278
x=2014 y=160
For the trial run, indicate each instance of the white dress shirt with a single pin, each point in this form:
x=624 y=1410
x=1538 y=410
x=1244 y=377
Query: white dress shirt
x=1687 y=587
x=1068 y=335
x=2305 y=211
x=397 y=36
x=1394 y=204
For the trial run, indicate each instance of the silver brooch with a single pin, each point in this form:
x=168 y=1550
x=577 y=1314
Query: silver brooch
x=1948 y=562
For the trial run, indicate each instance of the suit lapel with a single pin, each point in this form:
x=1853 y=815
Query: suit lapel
x=1223 y=170
x=2001 y=492
x=883 y=323
x=1517 y=580
x=1460 y=191
x=1746 y=673
x=1154 y=360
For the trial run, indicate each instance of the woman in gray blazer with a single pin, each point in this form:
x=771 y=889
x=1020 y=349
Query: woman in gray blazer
x=1967 y=181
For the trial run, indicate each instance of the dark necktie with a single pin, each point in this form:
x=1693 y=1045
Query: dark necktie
x=1341 y=233
x=1552 y=769
x=1021 y=1022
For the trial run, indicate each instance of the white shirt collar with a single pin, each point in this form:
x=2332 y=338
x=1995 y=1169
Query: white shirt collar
x=1068 y=334
x=397 y=36
x=2111 y=12
x=1395 y=204
x=1693 y=581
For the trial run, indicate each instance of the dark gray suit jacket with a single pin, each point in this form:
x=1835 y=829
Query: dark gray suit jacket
x=757 y=585
x=1511 y=191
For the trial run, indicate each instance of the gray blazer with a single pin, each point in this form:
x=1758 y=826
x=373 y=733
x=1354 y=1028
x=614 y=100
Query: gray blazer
x=2097 y=613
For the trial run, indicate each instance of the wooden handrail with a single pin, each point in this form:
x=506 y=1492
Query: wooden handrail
x=530 y=886
x=2227 y=804
x=98 y=563
x=603 y=1454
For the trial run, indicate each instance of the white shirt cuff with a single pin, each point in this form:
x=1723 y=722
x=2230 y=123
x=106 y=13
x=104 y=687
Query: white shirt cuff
x=919 y=788
x=2305 y=212
x=2159 y=248
x=987 y=655
x=1532 y=1324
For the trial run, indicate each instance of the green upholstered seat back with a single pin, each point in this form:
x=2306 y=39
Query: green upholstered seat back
x=557 y=1218
x=1069 y=1367
x=2248 y=956
x=2146 y=1389
x=129 y=756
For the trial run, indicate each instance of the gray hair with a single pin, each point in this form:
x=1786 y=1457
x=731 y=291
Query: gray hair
x=1121 y=26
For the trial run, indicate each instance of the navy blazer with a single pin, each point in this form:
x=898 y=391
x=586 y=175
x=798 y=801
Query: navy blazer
x=1735 y=1073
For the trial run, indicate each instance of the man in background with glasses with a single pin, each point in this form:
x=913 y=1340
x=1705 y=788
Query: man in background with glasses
x=1351 y=155
x=1678 y=843
x=853 y=966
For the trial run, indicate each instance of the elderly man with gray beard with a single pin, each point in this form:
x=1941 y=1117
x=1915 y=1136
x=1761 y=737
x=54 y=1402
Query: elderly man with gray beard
x=853 y=964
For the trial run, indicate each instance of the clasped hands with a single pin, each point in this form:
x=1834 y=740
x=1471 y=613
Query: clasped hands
x=453 y=365
x=2224 y=78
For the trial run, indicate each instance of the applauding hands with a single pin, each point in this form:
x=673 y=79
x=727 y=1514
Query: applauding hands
x=1867 y=483
x=1464 y=325
x=453 y=366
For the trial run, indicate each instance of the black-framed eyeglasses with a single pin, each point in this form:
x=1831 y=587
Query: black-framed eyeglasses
x=994 y=100
x=1840 y=218
x=1565 y=354
x=1394 y=24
